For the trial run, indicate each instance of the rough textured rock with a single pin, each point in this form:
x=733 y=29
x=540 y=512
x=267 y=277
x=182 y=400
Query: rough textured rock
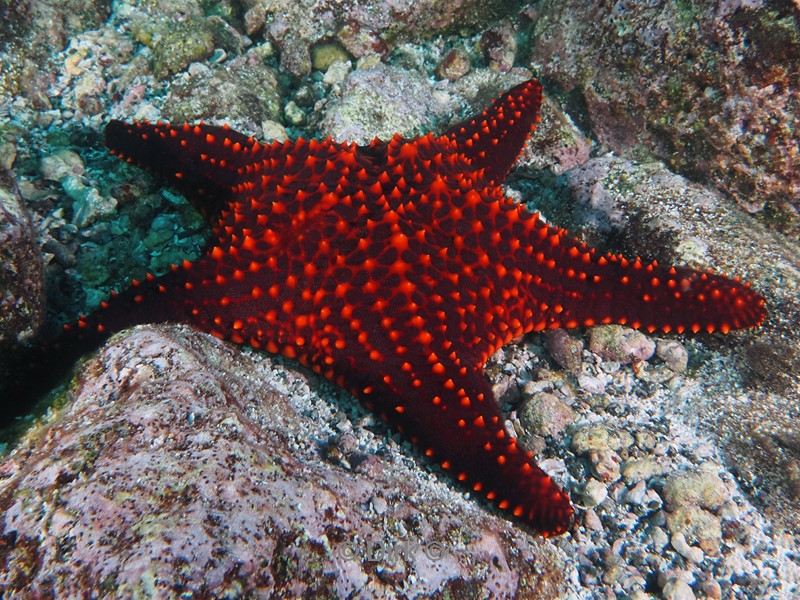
x=454 y=65
x=21 y=279
x=184 y=466
x=245 y=92
x=545 y=414
x=362 y=27
x=33 y=30
x=708 y=87
x=565 y=349
x=703 y=488
x=180 y=43
x=674 y=354
x=382 y=101
x=620 y=344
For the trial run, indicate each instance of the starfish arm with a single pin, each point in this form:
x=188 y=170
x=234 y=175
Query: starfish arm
x=659 y=298
x=212 y=294
x=451 y=414
x=246 y=189
x=202 y=161
x=150 y=300
x=572 y=285
x=494 y=139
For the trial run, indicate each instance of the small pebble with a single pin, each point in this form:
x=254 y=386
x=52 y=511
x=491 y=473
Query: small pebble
x=610 y=366
x=273 y=131
x=293 y=113
x=564 y=349
x=623 y=344
x=645 y=440
x=336 y=73
x=600 y=437
x=659 y=537
x=652 y=501
x=710 y=588
x=88 y=204
x=594 y=493
x=348 y=443
x=659 y=518
x=591 y=521
x=379 y=504
x=605 y=464
x=698 y=526
x=324 y=55
x=58 y=165
x=674 y=354
x=592 y=384
x=371 y=466
x=640 y=470
x=635 y=495
x=682 y=547
x=61 y=253
x=499 y=45
x=454 y=65
x=703 y=488
x=677 y=589
x=617 y=491
x=534 y=387
x=8 y=153
x=545 y=415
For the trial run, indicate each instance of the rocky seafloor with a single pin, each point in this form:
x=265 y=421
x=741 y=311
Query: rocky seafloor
x=173 y=464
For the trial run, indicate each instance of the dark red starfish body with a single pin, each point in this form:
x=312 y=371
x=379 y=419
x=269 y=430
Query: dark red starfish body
x=396 y=270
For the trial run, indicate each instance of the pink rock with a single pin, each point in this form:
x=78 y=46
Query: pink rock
x=185 y=464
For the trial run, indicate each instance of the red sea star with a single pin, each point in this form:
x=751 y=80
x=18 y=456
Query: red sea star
x=396 y=270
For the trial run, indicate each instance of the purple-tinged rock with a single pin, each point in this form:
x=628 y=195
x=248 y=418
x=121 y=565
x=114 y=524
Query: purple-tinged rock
x=564 y=349
x=708 y=87
x=674 y=354
x=184 y=463
x=620 y=344
x=454 y=65
x=499 y=46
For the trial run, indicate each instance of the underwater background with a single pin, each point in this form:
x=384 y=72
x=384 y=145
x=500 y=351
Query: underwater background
x=171 y=464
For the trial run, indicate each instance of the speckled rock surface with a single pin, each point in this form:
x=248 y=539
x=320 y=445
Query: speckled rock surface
x=545 y=414
x=621 y=344
x=186 y=467
x=32 y=31
x=245 y=91
x=707 y=87
x=382 y=101
x=21 y=278
x=362 y=27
